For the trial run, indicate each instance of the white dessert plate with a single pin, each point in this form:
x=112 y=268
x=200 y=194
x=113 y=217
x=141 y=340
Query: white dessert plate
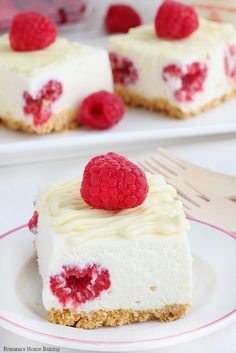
x=214 y=268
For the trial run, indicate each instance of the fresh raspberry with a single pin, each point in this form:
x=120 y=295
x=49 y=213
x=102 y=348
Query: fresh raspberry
x=76 y=285
x=123 y=70
x=189 y=79
x=175 y=20
x=230 y=62
x=40 y=107
x=101 y=110
x=33 y=223
x=112 y=182
x=32 y=31
x=120 y=18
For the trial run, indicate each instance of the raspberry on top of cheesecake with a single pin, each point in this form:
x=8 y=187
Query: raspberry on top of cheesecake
x=112 y=247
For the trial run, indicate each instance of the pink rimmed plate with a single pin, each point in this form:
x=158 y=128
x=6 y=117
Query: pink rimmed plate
x=214 y=269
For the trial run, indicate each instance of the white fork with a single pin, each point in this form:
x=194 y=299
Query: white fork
x=197 y=201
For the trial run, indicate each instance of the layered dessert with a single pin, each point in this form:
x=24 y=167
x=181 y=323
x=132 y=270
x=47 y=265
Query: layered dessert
x=180 y=65
x=112 y=247
x=43 y=82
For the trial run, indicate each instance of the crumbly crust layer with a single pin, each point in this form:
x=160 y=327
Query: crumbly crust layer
x=132 y=98
x=65 y=120
x=116 y=317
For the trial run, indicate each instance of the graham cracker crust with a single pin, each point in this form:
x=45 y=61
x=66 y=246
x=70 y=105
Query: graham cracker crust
x=65 y=120
x=116 y=317
x=135 y=99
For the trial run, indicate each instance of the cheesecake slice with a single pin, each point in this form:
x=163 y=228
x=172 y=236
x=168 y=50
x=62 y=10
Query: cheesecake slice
x=41 y=90
x=181 y=77
x=103 y=267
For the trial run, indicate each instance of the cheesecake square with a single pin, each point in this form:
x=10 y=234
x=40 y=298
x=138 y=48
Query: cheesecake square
x=41 y=90
x=108 y=267
x=181 y=77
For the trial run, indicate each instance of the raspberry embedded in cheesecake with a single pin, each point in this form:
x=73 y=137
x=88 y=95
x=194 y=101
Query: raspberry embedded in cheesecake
x=112 y=247
x=181 y=65
x=44 y=78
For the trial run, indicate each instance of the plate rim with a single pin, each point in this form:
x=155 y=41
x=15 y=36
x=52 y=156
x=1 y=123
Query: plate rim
x=213 y=325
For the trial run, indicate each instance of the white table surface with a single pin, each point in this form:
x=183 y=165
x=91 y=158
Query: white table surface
x=19 y=184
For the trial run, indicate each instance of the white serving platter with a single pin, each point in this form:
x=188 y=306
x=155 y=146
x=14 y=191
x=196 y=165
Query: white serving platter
x=138 y=125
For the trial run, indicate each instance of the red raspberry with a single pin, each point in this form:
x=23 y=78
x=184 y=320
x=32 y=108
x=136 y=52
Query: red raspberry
x=32 y=31
x=33 y=222
x=123 y=70
x=190 y=79
x=76 y=285
x=51 y=91
x=120 y=18
x=230 y=62
x=40 y=107
x=175 y=20
x=112 y=182
x=101 y=110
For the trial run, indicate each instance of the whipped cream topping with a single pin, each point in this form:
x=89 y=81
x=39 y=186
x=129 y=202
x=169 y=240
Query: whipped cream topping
x=33 y=62
x=69 y=215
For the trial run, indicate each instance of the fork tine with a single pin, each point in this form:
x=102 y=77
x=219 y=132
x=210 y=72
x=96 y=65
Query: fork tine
x=171 y=157
x=164 y=165
x=146 y=166
x=149 y=166
x=203 y=195
x=184 y=193
x=186 y=204
x=184 y=190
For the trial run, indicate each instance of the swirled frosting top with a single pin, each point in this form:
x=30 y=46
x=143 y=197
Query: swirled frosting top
x=69 y=215
x=33 y=62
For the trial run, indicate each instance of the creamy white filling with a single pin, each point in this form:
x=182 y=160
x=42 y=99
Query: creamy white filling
x=150 y=55
x=145 y=249
x=146 y=272
x=81 y=71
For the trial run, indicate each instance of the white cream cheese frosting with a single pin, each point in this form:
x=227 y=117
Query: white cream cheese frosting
x=32 y=63
x=143 y=40
x=160 y=214
x=145 y=249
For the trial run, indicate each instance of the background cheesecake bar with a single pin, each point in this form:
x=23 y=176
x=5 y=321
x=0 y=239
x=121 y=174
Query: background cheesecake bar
x=108 y=267
x=180 y=77
x=41 y=90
